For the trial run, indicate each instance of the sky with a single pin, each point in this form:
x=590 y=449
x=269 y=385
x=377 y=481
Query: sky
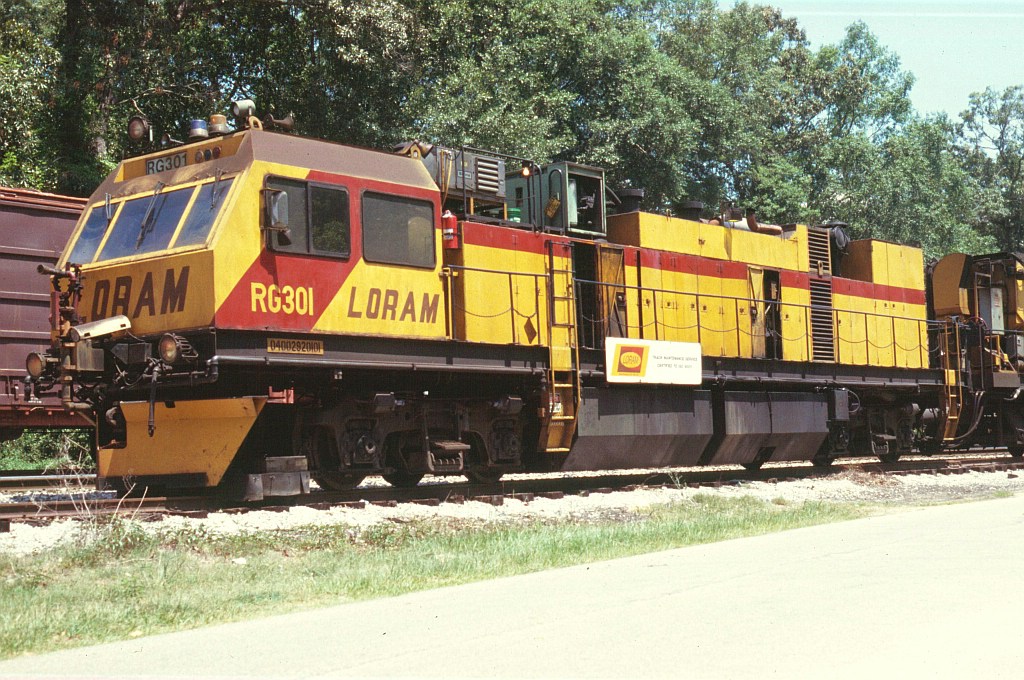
x=952 y=47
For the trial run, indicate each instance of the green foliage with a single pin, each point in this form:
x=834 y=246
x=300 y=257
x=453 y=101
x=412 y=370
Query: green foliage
x=911 y=188
x=685 y=98
x=27 y=63
x=993 y=137
x=48 y=449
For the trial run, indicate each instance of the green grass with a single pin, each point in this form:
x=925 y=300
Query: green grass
x=120 y=581
x=47 y=450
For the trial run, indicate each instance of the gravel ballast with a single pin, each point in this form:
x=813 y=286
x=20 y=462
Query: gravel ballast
x=848 y=487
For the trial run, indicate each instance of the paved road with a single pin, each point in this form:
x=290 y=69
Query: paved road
x=934 y=593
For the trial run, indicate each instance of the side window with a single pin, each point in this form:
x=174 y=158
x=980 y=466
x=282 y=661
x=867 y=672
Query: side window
x=318 y=218
x=398 y=230
x=328 y=224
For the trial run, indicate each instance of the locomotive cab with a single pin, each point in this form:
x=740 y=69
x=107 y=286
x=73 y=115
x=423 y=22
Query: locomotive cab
x=249 y=249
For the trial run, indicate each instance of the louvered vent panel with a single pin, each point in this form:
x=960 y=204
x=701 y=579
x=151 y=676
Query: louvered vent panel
x=822 y=322
x=487 y=175
x=819 y=252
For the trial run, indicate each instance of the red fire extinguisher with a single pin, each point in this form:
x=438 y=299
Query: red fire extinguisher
x=449 y=230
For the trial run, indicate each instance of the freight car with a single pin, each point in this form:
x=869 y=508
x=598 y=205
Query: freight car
x=34 y=228
x=253 y=308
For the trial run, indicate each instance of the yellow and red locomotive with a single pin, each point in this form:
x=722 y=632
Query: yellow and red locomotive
x=253 y=308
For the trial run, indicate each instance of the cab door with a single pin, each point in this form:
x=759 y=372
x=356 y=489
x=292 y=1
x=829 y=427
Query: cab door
x=611 y=274
x=756 y=311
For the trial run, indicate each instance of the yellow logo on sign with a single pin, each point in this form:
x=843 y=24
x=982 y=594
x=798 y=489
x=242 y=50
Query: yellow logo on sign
x=630 y=360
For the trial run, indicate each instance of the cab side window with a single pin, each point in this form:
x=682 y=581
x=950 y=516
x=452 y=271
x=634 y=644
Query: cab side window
x=317 y=218
x=398 y=230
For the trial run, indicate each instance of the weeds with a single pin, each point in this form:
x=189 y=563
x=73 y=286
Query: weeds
x=120 y=578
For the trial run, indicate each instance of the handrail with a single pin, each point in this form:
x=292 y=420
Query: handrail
x=850 y=347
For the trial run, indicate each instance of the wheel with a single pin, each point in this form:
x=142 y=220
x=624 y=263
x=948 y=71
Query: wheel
x=929 y=447
x=1016 y=450
x=403 y=480
x=823 y=461
x=337 y=481
x=755 y=465
x=484 y=475
x=888 y=458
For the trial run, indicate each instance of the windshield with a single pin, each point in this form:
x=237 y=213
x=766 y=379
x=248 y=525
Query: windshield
x=150 y=223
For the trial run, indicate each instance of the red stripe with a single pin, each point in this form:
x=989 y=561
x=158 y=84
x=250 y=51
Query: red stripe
x=877 y=291
x=357 y=184
x=791 y=279
x=506 y=238
x=324 y=275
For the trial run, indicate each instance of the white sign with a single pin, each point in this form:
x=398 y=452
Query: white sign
x=652 y=361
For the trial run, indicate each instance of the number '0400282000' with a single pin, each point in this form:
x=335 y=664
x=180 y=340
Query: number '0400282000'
x=276 y=299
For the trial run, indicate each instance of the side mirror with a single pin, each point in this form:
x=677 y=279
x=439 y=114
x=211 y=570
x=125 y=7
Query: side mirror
x=277 y=216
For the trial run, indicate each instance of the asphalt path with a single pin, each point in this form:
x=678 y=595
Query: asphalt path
x=924 y=593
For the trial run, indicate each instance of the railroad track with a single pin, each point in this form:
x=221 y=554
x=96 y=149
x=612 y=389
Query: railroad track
x=41 y=479
x=524 y=488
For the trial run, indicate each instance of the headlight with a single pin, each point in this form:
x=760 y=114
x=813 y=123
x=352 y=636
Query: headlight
x=169 y=349
x=35 y=364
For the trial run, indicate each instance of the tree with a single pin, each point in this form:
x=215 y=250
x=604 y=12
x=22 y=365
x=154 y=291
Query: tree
x=557 y=79
x=993 y=135
x=913 y=187
x=770 y=107
x=27 y=62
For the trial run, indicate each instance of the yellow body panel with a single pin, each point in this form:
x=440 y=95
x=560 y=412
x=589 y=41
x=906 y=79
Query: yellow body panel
x=193 y=437
x=658 y=232
x=157 y=294
x=672 y=234
x=238 y=241
x=634 y=310
x=888 y=264
x=796 y=329
x=713 y=241
x=651 y=302
x=949 y=298
x=788 y=251
x=882 y=349
x=912 y=337
x=500 y=295
x=678 y=303
x=852 y=331
x=881 y=333
x=386 y=300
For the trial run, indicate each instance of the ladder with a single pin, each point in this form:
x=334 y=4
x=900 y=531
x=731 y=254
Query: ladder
x=953 y=392
x=563 y=379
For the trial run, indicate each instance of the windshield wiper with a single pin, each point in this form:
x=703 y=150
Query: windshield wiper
x=216 y=186
x=149 y=220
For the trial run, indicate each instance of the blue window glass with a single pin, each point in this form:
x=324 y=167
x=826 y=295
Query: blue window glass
x=203 y=213
x=89 y=240
x=146 y=224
